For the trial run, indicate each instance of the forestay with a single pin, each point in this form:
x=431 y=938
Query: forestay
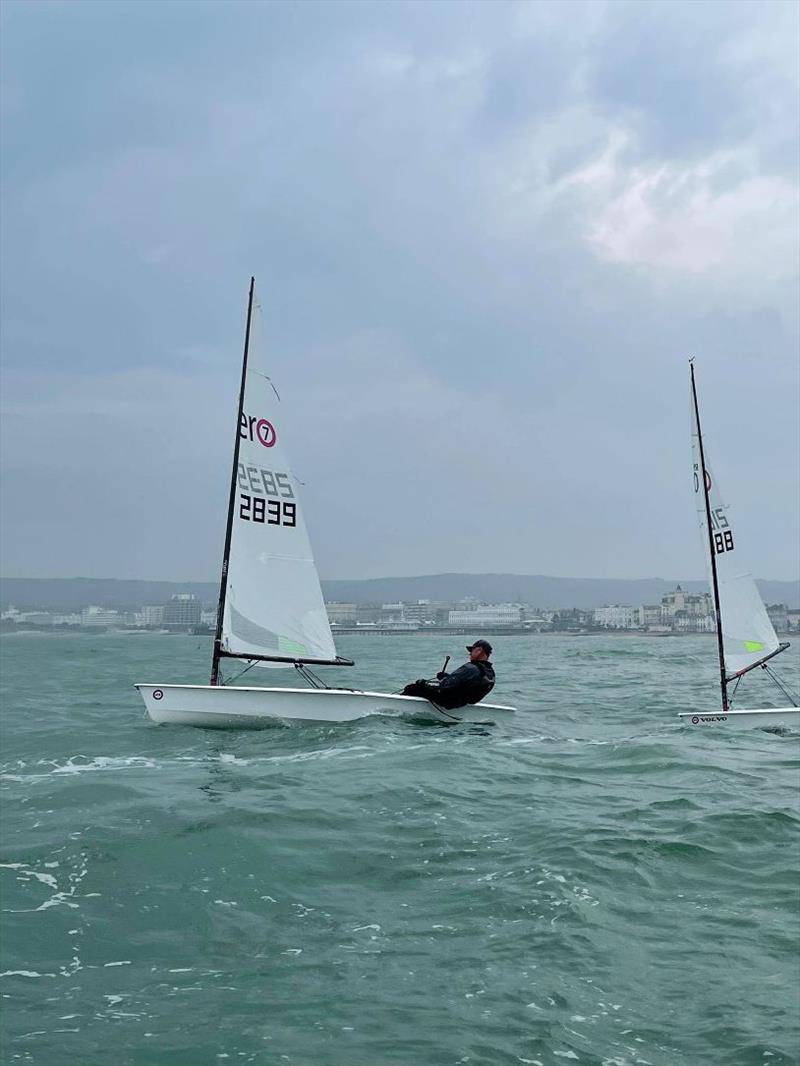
x=273 y=600
x=747 y=633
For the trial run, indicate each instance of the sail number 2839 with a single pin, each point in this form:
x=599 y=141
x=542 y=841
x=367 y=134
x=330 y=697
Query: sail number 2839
x=271 y=512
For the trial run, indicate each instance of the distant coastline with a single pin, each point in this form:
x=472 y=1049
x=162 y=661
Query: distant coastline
x=556 y=593
x=495 y=634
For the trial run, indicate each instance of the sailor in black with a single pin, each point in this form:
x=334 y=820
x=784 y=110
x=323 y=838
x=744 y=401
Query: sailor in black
x=468 y=684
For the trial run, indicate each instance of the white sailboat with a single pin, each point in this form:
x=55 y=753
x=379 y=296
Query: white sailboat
x=271 y=610
x=746 y=638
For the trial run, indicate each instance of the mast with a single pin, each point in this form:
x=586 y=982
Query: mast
x=723 y=680
x=231 y=499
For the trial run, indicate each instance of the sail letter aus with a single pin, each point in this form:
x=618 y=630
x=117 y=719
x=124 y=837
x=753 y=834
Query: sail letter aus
x=254 y=504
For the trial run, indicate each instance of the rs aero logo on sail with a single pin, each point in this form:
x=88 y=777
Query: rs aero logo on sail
x=257 y=429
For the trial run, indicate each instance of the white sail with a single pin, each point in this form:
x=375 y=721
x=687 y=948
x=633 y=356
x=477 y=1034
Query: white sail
x=273 y=599
x=747 y=633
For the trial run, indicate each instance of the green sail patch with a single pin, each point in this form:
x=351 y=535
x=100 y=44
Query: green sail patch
x=753 y=645
x=291 y=647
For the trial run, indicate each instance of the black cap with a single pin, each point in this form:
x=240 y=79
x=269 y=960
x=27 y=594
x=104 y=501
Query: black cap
x=487 y=647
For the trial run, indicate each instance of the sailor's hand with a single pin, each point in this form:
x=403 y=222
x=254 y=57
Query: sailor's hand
x=442 y=674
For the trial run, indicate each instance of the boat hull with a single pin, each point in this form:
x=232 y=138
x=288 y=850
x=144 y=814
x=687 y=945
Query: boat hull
x=765 y=718
x=233 y=707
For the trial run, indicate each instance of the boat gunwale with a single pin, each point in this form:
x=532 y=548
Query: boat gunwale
x=317 y=692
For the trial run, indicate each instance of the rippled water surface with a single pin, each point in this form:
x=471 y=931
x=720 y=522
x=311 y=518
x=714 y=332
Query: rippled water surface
x=590 y=882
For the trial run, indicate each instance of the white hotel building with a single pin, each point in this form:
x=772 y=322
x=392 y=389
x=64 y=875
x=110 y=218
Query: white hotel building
x=492 y=614
x=617 y=617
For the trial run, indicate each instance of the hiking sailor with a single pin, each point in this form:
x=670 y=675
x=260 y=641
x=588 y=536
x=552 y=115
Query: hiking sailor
x=468 y=684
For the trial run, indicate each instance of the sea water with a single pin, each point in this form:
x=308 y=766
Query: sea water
x=589 y=882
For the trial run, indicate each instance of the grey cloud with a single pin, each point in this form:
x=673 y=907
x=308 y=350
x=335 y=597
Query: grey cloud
x=405 y=185
x=667 y=65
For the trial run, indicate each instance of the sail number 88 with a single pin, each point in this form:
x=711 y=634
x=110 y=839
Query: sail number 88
x=271 y=512
x=723 y=542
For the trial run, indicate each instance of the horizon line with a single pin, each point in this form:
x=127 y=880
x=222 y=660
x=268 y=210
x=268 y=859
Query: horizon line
x=387 y=577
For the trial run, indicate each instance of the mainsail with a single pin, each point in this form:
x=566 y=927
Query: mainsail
x=273 y=605
x=748 y=636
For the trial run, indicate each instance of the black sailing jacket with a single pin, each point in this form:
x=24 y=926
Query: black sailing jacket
x=468 y=684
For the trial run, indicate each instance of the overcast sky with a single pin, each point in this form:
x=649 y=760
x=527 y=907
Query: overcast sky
x=487 y=237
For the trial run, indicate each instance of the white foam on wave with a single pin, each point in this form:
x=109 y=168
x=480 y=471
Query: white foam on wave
x=82 y=764
x=355 y=751
x=46 y=879
x=60 y=897
x=105 y=762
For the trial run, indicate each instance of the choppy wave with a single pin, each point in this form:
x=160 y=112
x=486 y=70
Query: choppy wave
x=586 y=883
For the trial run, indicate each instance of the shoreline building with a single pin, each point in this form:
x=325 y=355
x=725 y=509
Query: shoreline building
x=99 y=616
x=680 y=604
x=617 y=616
x=488 y=614
x=182 y=610
x=341 y=614
x=150 y=616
